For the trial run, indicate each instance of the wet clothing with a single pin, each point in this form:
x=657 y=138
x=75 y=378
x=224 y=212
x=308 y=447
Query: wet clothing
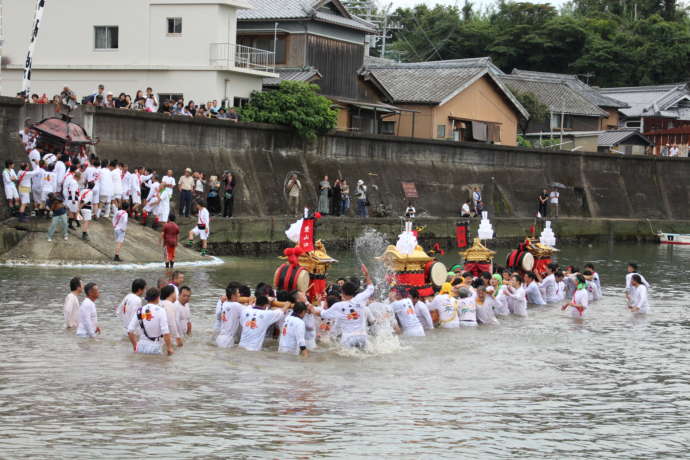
x=255 y=323
x=549 y=289
x=580 y=298
x=407 y=318
x=229 y=316
x=127 y=309
x=71 y=311
x=351 y=317
x=639 y=298
x=447 y=308
x=292 y=336
x=88 y=319
x=151 y=327
x=423 y=315
x=517 y=303
x=533 y=294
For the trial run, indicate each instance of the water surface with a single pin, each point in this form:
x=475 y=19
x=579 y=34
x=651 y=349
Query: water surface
x=545 y=386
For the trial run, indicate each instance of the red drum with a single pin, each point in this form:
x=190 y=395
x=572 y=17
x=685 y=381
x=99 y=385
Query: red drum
x=291 y=277
x=521 y=260
x=435 y=273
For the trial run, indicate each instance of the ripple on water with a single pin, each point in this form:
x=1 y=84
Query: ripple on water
x=611 y=386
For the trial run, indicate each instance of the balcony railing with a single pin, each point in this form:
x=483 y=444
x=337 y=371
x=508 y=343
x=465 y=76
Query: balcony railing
x=232 y=55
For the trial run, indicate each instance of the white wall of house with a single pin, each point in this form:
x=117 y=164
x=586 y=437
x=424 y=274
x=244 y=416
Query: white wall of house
x=200 y=86
x=147 y=55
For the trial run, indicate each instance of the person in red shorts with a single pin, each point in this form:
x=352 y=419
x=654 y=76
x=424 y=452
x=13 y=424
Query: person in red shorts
x=170 y=237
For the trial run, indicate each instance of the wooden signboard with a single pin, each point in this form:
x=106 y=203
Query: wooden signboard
x=410 y=190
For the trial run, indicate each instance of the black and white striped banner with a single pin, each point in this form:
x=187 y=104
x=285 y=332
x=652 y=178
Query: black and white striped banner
x=26 y=83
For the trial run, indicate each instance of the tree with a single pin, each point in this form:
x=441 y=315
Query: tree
x=537 y=110
x=295 y=104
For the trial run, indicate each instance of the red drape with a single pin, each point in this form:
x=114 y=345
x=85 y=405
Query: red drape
x=477 y=268
x=540 y=265
x=306 y=235
x=318 y=287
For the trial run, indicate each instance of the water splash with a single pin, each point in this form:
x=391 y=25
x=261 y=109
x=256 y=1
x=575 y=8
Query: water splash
x=370 y=245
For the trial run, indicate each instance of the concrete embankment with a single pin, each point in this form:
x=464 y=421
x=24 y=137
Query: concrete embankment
x=266 y=235
x=592 y=185
x=27 y=243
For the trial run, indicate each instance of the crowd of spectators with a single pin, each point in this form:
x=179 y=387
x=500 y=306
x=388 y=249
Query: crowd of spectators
x=142 y=101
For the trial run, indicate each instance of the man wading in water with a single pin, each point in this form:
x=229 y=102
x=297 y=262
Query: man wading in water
x=149 y=325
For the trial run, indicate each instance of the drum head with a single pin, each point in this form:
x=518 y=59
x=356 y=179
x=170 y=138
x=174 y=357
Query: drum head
x=303 y=280
x=438 y=274
x=527 y=263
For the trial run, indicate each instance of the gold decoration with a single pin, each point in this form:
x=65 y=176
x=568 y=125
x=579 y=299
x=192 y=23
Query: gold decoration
x=316 y=262
x=398 y=262
x=537 y=249
x=478 y=252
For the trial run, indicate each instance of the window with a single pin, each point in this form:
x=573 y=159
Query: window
x=173 y=97
x=556 y=121
x=240 y=102
x=106 y=37
x=265 y=42
x=441 y=131
x=632 y=124
x=174 y=26
x=387 y=127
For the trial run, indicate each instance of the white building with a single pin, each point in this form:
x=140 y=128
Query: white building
x=177 y=47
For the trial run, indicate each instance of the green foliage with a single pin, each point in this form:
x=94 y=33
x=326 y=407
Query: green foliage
x=614 y=43
x=536 y=109
x=295 y=104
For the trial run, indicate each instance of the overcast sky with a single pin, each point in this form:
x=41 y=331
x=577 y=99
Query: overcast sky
x=403 y=3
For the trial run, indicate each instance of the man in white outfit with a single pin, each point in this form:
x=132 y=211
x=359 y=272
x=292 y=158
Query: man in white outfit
x=88 y=318
x=71 y=309
x=149 y=325
x=548 y=286
x=293 y=333
x=105 y=190
x=352 y=315
x=131 y=303
x=639 y=301
x=228 y=317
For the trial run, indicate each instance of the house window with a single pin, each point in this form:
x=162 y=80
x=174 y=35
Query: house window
x=106 y=37
x=172 y=97
x=556 y=121
x=441 y=131
x=174 y=26
x=387 y=127
x=266 y=42
x=632 y=124
x=240 y=101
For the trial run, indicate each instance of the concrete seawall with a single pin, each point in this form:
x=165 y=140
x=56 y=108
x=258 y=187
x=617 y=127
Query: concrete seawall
x=596 y=186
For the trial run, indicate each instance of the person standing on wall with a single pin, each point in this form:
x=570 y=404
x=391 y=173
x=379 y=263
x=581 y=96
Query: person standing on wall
x=553 y=201
x=228 y=194
x=185 y=185
x=345 y=197
x=362 y=199
x=324 y=195
x=336 y=198
x=543 y=200
x=476 y=200
x=294 y=188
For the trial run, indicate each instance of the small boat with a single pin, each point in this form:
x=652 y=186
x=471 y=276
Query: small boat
x=674 y=238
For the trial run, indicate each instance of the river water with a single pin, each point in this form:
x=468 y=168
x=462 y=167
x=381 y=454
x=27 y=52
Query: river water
x=545 y=386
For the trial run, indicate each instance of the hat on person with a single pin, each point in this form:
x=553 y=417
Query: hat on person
x=360 y=182
x=110 y=93
x=188 y=170
x=101 y=86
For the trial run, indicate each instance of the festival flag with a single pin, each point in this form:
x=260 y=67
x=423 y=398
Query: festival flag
x=306 y=236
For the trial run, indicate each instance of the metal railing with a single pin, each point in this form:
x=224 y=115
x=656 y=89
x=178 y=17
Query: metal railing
x=245 y=57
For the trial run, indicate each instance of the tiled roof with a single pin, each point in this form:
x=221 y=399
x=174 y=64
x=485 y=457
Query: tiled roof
x=593 y=95
x=615 y=137
x=434 y=82
x=557 y=96
x=649 y=100
x=292 y=74
x=264 y=10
